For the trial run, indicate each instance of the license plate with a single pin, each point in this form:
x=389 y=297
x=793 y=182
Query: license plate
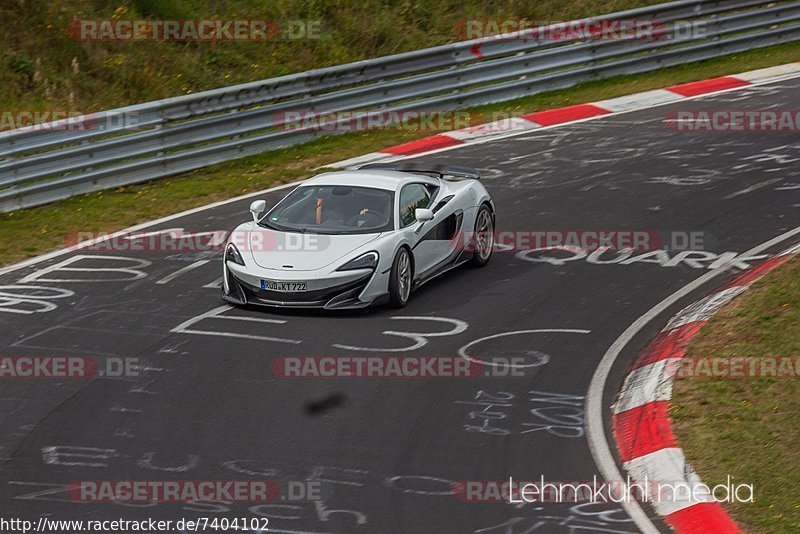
x=286 y=287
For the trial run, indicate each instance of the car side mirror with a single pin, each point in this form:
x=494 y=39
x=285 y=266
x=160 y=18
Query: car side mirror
x=423 y=214
x=257 y=208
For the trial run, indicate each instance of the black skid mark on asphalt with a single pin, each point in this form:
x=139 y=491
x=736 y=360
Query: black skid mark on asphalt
x=325 y=404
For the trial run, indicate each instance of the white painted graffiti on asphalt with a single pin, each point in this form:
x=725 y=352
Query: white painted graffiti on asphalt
x=536 y=358
x=298 y=513
x=30 y=299
x=128 y=273
x=420 y=338
x=557 y=414
x=599 y=518
x=217 y=313
x=696 y=259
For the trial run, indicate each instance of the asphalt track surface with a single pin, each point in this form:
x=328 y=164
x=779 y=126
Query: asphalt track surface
x=207 y=405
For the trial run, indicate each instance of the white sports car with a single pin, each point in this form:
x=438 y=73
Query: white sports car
x=349 y=239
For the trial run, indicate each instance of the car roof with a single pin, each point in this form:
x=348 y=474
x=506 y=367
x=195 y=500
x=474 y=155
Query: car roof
x=390 y=180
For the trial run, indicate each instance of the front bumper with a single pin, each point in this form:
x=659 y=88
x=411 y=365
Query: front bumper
x=343 y=293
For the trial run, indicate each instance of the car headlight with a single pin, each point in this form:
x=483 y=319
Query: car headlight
x=365 y=261
x=232 y=254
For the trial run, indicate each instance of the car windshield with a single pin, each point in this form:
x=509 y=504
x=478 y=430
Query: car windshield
x=333 y=209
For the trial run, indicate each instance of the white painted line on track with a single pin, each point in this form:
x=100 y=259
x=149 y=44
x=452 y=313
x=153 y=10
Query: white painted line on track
x=173 y=276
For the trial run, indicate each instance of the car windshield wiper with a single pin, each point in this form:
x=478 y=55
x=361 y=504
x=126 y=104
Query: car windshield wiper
x=283 y=228
x=299 y=230
x=267 y=225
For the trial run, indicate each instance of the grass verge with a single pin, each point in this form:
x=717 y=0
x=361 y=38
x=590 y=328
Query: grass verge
x=747 y=428
x=33 y=231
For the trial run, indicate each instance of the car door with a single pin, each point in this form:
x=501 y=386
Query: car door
x=433 y=239
x=413 y=196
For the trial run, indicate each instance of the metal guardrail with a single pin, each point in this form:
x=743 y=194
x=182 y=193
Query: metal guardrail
x=139 y=143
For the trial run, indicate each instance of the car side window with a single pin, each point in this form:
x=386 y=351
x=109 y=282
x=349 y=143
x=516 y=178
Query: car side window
x=412 y=196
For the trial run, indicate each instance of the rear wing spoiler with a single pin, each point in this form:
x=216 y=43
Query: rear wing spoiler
x=440 y=170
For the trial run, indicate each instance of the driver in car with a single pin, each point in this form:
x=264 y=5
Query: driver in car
x=381 y=213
